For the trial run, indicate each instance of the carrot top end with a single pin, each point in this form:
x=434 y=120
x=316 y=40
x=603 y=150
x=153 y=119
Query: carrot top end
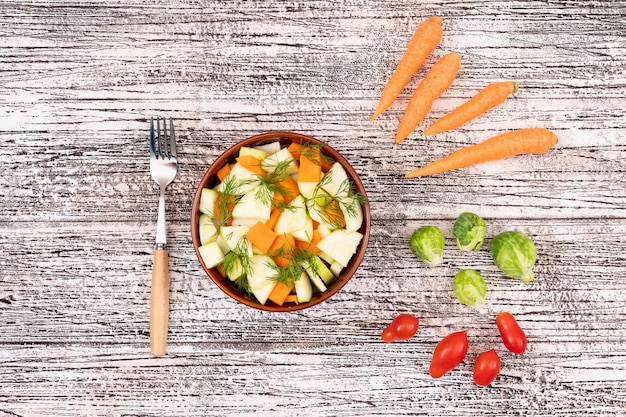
x=436 y=19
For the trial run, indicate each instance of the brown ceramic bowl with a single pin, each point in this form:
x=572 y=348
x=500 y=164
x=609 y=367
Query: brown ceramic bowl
x=209 y=180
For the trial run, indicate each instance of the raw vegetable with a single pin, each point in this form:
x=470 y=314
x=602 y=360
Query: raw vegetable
x=512 y=334
x=489 y=97
x=469 y=231
x=424 y=40
x=517 y=142
x=427 y=244
x=403 y=327
x=486 y=368
x=438 y=79
x=448 y=354
x=258 y=231
x=515 y=254
x=469 y=288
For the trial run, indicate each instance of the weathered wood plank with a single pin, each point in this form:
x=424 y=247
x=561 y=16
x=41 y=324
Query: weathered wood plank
x=80 y=79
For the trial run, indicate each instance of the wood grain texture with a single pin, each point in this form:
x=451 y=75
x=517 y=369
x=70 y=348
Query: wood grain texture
x=79 y=81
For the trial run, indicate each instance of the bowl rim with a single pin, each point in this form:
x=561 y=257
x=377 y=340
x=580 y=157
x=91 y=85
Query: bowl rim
x=208 y=180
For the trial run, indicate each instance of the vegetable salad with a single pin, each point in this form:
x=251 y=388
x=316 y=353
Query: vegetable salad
x=282 y=222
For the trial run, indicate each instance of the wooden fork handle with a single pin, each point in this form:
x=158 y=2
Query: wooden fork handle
x=159 y=303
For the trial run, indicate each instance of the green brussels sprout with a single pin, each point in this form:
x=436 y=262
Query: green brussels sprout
x=427 y=244
x=515 y=254
x=470 y=288
x=469 y=230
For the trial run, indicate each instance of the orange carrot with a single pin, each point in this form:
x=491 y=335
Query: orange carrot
x=334 y=214
x=327 y=162
x=312 y=245
x=435 y=83
x=271 y=222
x=517 y=142
x=251 y=163
x=292 y=298
x=279 y=293
x=282 y=249
x=221 y=174
x=424 y=41
x=295 y=149
x=223 y=209
x=489 y=97
x=310 y=165
x=288 y=189
x=261 y=236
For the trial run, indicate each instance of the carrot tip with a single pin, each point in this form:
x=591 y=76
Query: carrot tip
x=413 y=174
x=436 y=19
x=515 y=86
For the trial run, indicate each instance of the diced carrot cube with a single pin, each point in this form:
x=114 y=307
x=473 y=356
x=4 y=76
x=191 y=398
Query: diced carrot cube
x=261 y=236
x=295 y=148
x=288 y=189
x=282 y=248
x=223 y=172
x=251 y=163
x=279 y=293
x=271 y=222
x=310 y=165
x=222 y=210
x=327 y=162
x=312 y=245
x=292 y=298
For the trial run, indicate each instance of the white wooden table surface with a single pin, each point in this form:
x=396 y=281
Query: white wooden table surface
x=79 y=81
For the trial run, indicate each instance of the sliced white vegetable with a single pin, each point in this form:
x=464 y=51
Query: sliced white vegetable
x=341 y=245
x=322 y=270
x=269 y=148
x=306 y=233
x=304 y=289
x=352 y=213
x=336 y=268
x=315 y=279
x=234 y=235
x=292 y=219
x=207 y=230
x=323 y=230
x=335 y=181
x=211 y=254
x=236 y=270
x=239 y=180
x=255 y=152
x=207 y=201
x=255 y=204
x=262 y=277
x=279 y=158
x=222 y=244
x=307 y=188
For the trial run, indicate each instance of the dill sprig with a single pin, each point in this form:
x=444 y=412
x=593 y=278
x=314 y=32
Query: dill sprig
x=270 y=184
x=330 y=206
x=299 y=258
x=237 y=264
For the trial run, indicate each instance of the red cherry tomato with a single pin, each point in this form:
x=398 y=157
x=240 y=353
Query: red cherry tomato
x=403 y=327
x=512 y=334
x=450 y=352
x=486 y=367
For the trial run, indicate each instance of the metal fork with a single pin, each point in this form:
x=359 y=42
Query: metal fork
x=163 y=168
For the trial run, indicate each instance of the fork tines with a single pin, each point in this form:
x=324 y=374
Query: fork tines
x=163 y=141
